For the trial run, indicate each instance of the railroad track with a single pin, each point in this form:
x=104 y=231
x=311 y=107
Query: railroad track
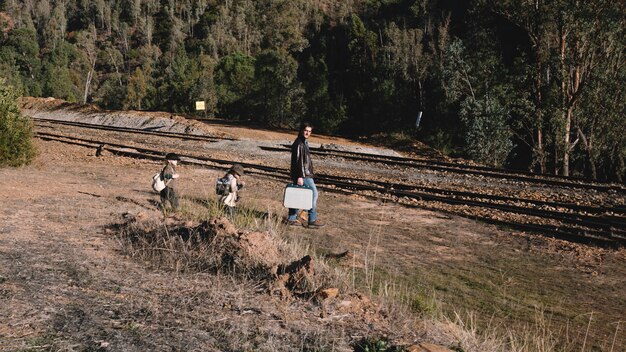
x=554 y=180
x=528 y=177
x=185 y=136
x=604 y=226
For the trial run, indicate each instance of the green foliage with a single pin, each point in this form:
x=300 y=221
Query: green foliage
x=136 y=90
x=320 y=107
x=278 y=94
x=16 y=147
x=57 y=76
x=487 y=132
x=488 y=136
x=204 y=88
x=234 y=76
x=111 y=94
x=19 y=54
x=492 y=69
x=9 y=70
x=186 y=80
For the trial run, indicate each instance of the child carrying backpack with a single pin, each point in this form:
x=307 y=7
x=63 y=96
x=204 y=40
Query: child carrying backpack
x=228 y=187
x=167 y=180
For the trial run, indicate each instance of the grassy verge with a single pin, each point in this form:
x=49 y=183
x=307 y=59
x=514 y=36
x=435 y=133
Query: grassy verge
x=519 y=321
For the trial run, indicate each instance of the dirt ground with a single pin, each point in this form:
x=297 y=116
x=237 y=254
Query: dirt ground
x=65 y=284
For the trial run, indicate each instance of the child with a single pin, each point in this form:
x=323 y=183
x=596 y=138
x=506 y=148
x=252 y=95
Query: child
x=168 y=194
x=230 y=198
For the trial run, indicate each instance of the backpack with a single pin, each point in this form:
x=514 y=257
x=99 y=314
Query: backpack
x=158 y=184
x=222 y=186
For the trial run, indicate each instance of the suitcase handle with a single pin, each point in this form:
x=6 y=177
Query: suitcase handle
x=295 y=185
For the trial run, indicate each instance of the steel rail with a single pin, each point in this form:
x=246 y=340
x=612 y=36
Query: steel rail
x=462 y=169
x=426 y=192
x=179 y=135
x=597 y=223
x=537 y=203
x=593 y=236
x=412 y=162
x=473 y=167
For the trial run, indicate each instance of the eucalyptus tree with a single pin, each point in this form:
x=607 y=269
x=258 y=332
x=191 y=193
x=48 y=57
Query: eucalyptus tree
x=404 y=53
x=597 y=94
x=536 y=19
x=54 y=29
x=278 y=95
x=86 y=43
x=583 y=38
x=21 y=48
x=57 y=79
x=234 y=77
x=473 y=83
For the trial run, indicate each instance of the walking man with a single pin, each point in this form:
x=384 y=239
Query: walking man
x=168 y=194
x=302 y=174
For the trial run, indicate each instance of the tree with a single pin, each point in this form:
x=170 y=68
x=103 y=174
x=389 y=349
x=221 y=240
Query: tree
x=284 y=24
x=602 y=106
x=86 y=41
x=204 y=87
x=488 y=136
x=583 y=29
x=360 y=76
x=482 y=108
x=234 y=77
x=136 y=90
x=406 y=56
x=22 y=49
x=535 y=17
x=56 y=26
x=320 y=107
x=57 y=78
x=16 y=131
x=278 y=93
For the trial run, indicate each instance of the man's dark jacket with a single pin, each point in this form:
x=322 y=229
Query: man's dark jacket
x=301 y=164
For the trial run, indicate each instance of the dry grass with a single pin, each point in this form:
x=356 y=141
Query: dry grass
x=196 y=248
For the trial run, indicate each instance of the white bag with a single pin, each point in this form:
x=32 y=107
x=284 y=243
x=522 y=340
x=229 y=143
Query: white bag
x=158 y=184
x=298 y=197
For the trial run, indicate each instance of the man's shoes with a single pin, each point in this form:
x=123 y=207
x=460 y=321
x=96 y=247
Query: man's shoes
x=316 y=224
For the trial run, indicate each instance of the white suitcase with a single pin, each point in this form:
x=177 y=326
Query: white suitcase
x=298 y=197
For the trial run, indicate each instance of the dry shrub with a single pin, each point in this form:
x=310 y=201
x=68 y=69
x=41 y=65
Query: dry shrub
x=216 y=245
x=466 y=333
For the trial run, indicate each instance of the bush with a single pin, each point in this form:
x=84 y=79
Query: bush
x=16 y=131
x=488 y=136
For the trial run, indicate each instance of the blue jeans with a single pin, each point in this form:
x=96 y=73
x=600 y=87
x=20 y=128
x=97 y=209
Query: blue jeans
x=293 y=213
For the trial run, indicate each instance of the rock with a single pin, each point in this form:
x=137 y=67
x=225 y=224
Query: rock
x=328 y=293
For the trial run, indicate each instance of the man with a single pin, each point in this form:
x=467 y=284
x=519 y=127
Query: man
x=302 y=174
x=168 y=194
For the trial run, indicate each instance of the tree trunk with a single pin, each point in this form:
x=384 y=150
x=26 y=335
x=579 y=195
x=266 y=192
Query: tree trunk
x=540 y=154
x=87 y=84
x=588 y=143
x=566 y=141
x=562 y=39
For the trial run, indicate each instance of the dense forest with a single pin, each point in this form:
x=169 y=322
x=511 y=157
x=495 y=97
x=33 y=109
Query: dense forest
x=529 y=84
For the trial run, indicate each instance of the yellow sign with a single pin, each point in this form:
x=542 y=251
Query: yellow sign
x=200 y=105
